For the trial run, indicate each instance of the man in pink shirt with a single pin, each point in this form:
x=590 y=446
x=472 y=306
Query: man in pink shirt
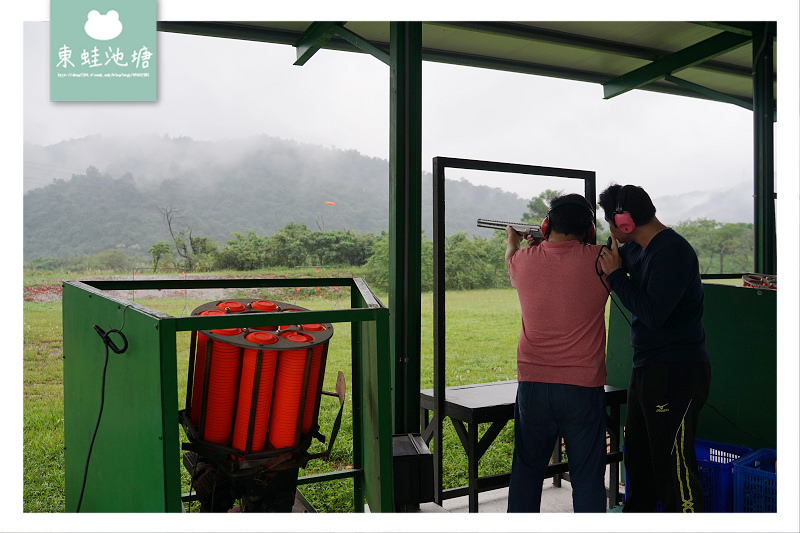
x=560 y=357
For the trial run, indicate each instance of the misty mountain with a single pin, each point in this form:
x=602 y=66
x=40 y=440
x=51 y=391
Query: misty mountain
x=97 y=193
x=217 y=189
x=734 y=204
x=150 y=158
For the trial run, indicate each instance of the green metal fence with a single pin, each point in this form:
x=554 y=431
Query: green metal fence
x=134 y=465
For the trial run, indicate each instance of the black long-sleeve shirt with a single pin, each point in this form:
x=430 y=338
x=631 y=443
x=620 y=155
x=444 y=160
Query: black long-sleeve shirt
x=663 y=291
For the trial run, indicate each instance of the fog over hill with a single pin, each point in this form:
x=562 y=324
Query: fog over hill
x=94 y=193
x=217 y=189
x=732 y=204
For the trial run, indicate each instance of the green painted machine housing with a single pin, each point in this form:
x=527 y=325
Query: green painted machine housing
x=741 y=337
x=135 y=459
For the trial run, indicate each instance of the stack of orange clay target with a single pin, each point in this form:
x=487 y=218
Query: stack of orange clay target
x=255 y=389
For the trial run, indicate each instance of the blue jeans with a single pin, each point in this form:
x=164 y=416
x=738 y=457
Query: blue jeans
x=542 y=412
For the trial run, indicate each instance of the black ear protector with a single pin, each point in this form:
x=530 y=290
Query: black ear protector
x=570 y=200
x=623 y=219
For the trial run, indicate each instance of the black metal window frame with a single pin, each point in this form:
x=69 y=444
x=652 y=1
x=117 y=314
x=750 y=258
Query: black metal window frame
x=440 y=164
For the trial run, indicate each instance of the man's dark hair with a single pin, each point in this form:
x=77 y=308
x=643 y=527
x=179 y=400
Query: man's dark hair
x=636 y=201
x=571 y=214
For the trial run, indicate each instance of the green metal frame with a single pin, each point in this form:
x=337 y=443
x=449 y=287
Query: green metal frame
x=766 y=251
x=312 y=40
x=320 y=33
x=683 y=59
x=135 y=460
x=405 y=219
x=712 y=94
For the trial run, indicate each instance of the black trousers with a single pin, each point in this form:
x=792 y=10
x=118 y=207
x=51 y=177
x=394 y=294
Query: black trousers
x=664 y=402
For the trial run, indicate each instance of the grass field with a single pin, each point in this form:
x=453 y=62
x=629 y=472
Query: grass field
x=482 y=330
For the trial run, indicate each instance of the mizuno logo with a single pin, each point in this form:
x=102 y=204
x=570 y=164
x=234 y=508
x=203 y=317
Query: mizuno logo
x=662 y=408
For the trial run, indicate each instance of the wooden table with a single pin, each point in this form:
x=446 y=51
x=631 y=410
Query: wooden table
x=493 y=403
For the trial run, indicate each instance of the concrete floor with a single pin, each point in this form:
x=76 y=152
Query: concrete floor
x=554 y=500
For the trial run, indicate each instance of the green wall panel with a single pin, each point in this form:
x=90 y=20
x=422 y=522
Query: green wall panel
x=129 y=470
x=741 y=336
x=373 y=364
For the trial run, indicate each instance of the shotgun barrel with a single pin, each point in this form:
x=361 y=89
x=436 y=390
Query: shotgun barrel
x=522 y=229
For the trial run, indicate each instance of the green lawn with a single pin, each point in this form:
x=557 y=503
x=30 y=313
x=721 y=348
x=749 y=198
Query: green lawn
x=481 y=344
x=43 y=405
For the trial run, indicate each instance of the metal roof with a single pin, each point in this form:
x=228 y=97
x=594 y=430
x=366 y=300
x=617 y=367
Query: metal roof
x=710 y=60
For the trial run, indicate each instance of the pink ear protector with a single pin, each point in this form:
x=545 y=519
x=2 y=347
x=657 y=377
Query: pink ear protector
x=622 y=219
x=545 y=226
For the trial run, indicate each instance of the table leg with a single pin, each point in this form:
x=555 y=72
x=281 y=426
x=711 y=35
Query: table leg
x=473 y=458
x=557 y=459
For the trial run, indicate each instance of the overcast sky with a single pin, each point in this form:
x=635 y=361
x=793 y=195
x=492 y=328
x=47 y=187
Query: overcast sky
x=211 y=88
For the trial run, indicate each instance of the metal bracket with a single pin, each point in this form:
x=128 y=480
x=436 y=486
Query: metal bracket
x=318 y=33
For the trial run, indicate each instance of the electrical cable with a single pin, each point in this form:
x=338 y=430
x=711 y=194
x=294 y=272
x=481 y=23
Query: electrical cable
x=110 y=345
x=599 y=272
x=740 y=428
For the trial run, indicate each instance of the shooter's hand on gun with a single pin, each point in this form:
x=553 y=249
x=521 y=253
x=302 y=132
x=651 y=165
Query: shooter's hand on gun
x=609 y=258
x=514 y=238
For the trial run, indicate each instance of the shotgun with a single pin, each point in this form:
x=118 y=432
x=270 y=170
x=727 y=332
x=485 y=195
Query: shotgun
x=522 y=229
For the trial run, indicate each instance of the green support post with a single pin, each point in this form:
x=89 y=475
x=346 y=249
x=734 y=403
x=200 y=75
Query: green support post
x=405 y=219
x=765 y=256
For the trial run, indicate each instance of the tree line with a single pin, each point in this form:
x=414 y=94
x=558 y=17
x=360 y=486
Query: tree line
x=471 y=262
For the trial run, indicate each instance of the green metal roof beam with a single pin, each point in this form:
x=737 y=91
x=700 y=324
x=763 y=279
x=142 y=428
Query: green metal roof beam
x=583 y=42
x=312 y=40
x=319 y=33
x=742 y=28
x=683 y=59
x=362 y=44
x=710 y=93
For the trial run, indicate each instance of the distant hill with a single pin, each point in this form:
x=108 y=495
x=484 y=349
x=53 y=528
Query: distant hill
x=96 y=193
x=217 y=188
x=733 y=204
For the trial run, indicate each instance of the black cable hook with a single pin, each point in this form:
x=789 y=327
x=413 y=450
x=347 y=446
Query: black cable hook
x=109 y=342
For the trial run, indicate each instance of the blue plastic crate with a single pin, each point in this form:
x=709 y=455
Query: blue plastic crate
x=755 y=482
x=715 y=463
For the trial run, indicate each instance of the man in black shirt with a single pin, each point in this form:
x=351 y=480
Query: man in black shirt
x=657 y=277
